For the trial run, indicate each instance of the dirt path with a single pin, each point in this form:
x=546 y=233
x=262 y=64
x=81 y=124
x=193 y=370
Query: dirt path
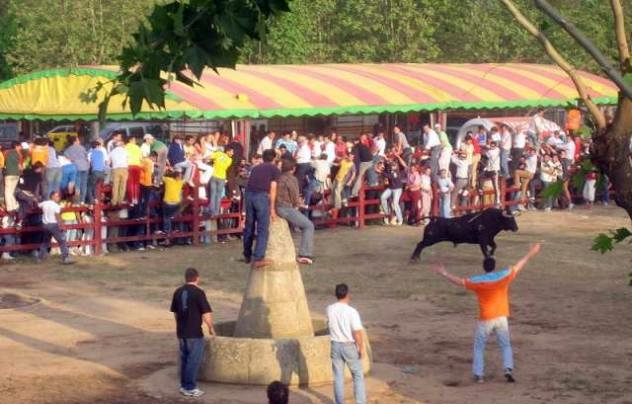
x=102 y=333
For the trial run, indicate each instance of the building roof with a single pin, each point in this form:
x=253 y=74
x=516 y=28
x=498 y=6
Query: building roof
x=263 y=91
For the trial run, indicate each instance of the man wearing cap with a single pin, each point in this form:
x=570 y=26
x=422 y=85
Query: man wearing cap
x=158 y=147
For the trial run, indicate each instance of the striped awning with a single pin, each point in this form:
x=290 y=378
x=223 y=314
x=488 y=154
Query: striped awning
x=262 y=91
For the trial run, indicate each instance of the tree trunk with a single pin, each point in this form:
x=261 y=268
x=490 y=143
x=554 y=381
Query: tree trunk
x=610 y=152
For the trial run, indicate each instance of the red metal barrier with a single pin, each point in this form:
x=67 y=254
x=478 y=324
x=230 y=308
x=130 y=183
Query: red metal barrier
x=194 y=216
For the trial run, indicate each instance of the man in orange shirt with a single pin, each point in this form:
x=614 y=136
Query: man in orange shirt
x=492 y=292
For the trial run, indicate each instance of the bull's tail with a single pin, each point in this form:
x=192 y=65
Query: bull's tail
x=422 y=219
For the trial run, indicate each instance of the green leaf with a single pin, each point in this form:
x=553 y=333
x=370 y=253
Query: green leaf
x=621 y=234
x=602 y=243
x=178 y=21
x=196 y=59
x=553 y=190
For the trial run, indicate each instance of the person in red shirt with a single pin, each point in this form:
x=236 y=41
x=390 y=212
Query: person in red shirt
x=492 y=292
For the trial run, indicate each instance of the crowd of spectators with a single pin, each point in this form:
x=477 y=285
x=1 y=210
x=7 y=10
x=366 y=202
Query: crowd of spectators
x=475 y=171
x=148 y=177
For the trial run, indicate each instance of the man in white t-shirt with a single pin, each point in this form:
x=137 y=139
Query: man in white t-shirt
x=266 y=143
x=51 y=218
x=380 y=143
x=347 y=345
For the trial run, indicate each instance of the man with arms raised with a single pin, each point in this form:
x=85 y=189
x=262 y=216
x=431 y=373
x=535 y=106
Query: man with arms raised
x=492 y=292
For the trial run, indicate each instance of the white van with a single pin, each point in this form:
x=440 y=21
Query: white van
x=138 y=129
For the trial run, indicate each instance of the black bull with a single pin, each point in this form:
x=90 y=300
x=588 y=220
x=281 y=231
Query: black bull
x=474 y=228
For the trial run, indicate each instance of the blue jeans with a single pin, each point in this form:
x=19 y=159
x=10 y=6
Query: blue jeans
x=217 y=191
x=53 y=230
x=504 y=163
x=81 y=186
x=396 y=194
x=445 y=210
x=53 y=180
x=257 y=214
x=293 y=216
x=191 y=352
x=93 y=180
x=500 y=327
x=341 y=353
x=168 y=211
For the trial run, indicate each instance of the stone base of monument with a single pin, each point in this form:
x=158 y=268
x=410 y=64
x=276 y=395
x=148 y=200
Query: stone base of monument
x=274 y=337
x=259 y=361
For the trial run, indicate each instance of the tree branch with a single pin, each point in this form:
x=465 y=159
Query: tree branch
x=600 y=119
x=622 y=39
x=602 y=61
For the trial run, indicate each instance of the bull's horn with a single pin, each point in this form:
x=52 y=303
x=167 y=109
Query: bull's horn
x=507 y=214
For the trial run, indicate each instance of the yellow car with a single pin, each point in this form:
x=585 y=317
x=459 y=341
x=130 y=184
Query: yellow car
x=59 y=135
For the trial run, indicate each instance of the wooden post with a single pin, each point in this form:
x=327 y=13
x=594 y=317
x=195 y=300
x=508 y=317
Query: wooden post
x=97 y=225
x=361 y=207
x=434 y=211
x=195 y=222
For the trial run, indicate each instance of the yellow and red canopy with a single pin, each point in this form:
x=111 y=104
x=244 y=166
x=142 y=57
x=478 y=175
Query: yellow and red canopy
x=260 y=91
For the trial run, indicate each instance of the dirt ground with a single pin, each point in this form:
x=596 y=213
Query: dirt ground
x=102 y=332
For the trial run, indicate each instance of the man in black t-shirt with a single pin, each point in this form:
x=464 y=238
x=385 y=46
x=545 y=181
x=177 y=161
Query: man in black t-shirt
x=190 y=308
x=260 y=201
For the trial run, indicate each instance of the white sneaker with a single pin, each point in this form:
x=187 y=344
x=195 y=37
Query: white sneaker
x=571 y=206
x=191 y=393
x=386 y=221
x=394 y=221
x=6 y=256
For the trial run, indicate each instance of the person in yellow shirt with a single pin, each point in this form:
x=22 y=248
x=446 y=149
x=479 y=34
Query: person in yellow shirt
x=146 y=181
x=39 y=151
x=171 y=200
x=221 y=163
x=344 y=180
x=134 y=156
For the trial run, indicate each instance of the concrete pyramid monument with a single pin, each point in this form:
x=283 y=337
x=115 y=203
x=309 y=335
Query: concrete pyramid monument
x=275 y=337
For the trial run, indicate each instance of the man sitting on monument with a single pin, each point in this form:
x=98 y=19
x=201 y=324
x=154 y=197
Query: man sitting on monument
x=288 y=203
x=260 y=201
